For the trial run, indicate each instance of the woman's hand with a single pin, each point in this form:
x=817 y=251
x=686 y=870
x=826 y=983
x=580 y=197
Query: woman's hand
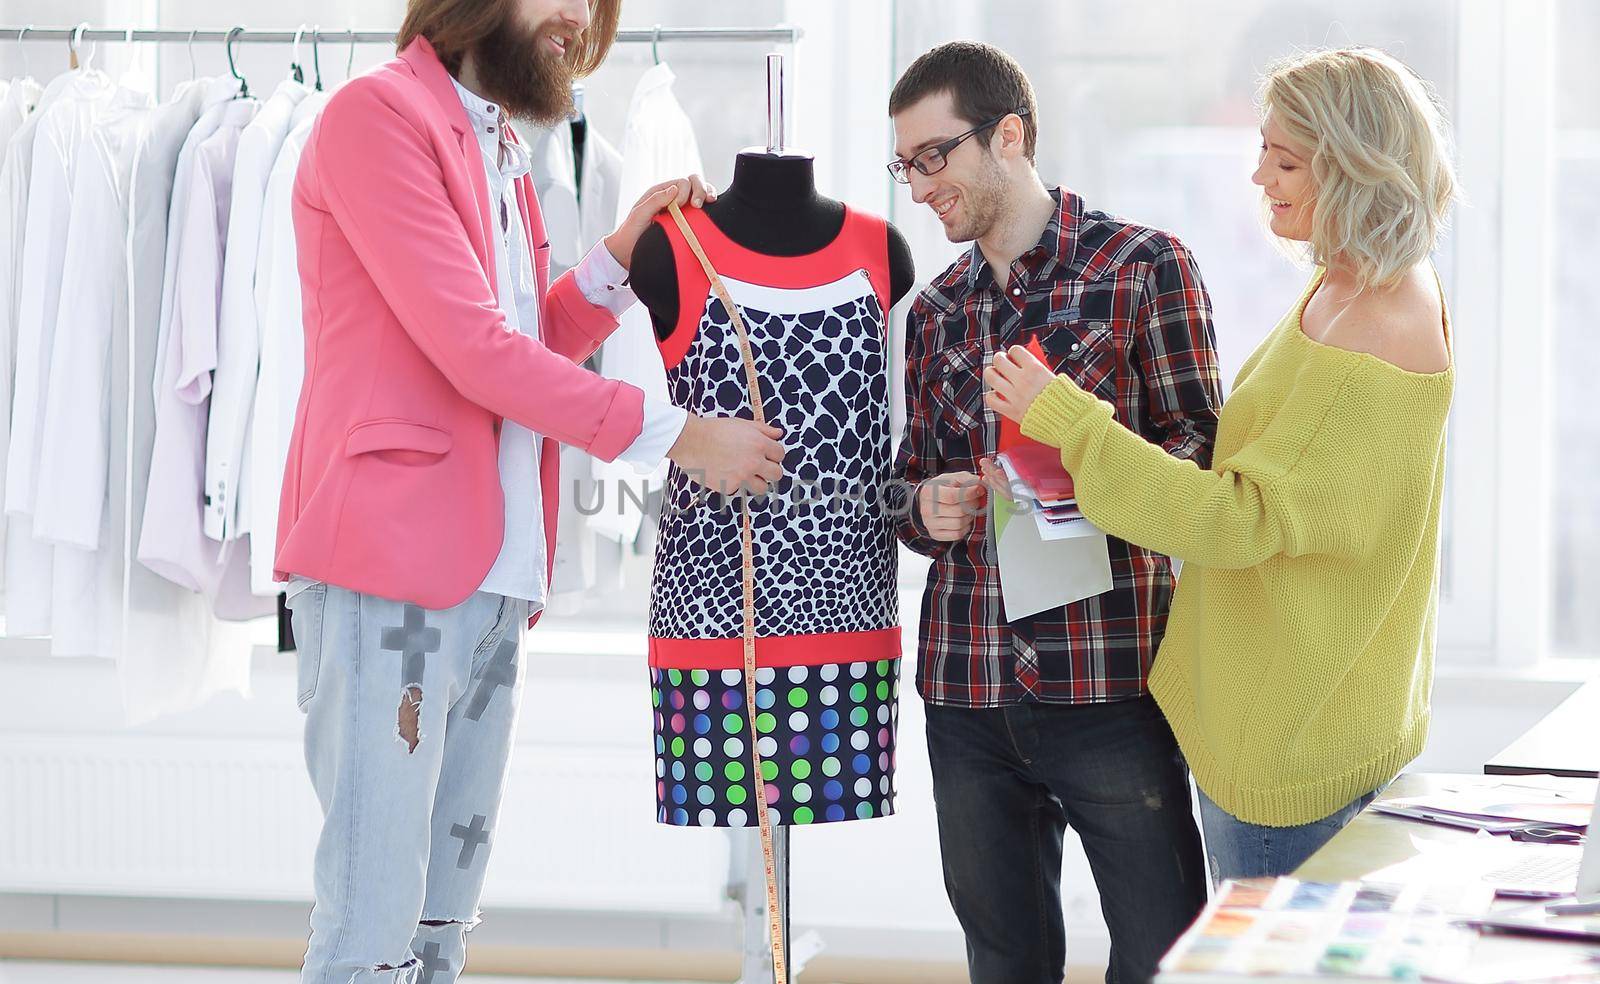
x=692 y=190
x=1014 y=380
x=995 y=478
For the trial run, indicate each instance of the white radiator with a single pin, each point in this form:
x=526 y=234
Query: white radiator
x=237 y=819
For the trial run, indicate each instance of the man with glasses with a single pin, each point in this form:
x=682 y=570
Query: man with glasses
x=1042 y=721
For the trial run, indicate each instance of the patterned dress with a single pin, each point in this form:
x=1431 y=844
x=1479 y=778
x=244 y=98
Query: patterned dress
x=827 y=614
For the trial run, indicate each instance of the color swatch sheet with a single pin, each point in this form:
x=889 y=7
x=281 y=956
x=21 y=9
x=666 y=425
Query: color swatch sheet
x=1288 y=930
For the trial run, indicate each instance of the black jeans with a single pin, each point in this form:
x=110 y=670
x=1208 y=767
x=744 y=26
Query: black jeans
x=1006 y=783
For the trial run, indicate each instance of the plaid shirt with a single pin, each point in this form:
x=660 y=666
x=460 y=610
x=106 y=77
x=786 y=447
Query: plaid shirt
x=1121 y=309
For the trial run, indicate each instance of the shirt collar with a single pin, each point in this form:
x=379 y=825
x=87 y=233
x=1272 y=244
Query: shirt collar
x=488 y=120
x=480 y=111
x=658 y=76
x=130 y=97
x=1055 y=248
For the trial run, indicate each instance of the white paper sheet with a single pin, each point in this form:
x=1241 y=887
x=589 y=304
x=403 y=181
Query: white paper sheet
x=1037 y=575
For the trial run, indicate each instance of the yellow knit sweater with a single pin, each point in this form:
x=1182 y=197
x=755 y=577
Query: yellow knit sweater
x=1298 y=658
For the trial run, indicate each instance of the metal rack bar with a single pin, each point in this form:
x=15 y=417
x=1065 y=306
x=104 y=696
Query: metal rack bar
x=780 y=34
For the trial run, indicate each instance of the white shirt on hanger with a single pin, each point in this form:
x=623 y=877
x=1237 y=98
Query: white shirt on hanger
x=577 y=216
x=238 y=334
x=32 y=563
x=15 y=110
x=555 y=181
x=63 y=128
x=172 y=540
x=71 y=506
x=599 y=192
x=167 y=629
x=21 y=95
x=658 y=145
x=74 y=457
x=283 y=354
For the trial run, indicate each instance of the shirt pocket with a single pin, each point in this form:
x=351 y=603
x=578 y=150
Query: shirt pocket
x=1087 y=351
x=955 y=389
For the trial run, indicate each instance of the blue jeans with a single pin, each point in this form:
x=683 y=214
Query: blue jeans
x=1237 y=849
x=1006 y=783
x=410 y=717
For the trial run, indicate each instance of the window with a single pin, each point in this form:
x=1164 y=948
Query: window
x=1574 y=495
x=1142 y=121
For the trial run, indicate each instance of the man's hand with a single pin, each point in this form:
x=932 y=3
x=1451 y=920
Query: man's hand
x=730 y=454
x=995 y=478
x=692 y=190
x=949 y=503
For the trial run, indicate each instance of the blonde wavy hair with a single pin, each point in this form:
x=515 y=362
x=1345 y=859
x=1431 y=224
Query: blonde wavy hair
x=1380 y=157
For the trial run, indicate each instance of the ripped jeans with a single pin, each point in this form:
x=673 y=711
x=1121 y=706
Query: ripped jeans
x=410 y=717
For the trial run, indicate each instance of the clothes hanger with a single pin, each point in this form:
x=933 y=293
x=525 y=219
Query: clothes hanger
x=133 y=74
x=350 y=62
x=316 y=55
x=655 y=44
x=191 y=54
x=27 y=69
x=295 y=71
x=72 y=48
x=244 y=87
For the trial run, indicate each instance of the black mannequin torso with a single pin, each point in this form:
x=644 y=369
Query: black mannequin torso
x=772 y=207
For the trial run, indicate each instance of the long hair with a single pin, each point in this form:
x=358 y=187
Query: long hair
x=455 y=27
x=1380 y=157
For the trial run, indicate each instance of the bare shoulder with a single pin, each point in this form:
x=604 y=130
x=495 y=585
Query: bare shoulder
x=1402 y=325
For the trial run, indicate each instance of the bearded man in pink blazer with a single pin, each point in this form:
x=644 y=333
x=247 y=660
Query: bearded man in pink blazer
x=419 y=503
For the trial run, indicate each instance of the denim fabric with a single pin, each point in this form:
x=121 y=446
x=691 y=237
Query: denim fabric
x=1007 y=781
x=406 y=827
x=1237 y=849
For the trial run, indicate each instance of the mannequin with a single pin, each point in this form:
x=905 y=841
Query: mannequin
x=771 y=207
x=826 y=598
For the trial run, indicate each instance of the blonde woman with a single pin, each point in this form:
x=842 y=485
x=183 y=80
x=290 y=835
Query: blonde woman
x=1298 y=661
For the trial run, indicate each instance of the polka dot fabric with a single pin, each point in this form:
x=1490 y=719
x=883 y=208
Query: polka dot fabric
x=826 y=734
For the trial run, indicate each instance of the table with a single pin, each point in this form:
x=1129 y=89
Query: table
x=1373 y=841
x=1565 y=743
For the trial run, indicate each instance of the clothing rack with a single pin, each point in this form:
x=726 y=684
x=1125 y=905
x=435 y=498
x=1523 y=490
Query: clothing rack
x=781 y=34
x=747 y=876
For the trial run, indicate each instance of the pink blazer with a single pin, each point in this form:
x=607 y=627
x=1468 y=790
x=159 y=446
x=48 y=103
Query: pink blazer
x=393 y=483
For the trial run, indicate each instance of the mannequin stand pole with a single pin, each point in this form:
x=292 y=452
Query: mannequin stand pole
x=750 y=889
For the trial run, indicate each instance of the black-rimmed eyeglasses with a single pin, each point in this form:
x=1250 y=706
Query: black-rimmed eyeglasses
x=934 y=159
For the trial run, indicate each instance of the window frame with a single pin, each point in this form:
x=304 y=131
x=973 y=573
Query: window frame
x=1494 y=606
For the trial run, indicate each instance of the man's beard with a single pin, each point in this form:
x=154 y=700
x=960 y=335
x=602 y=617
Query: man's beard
x=519 y=72
x=984 y=203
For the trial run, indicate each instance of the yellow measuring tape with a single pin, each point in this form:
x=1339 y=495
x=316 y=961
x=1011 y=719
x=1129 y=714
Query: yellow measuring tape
x=780 y=965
